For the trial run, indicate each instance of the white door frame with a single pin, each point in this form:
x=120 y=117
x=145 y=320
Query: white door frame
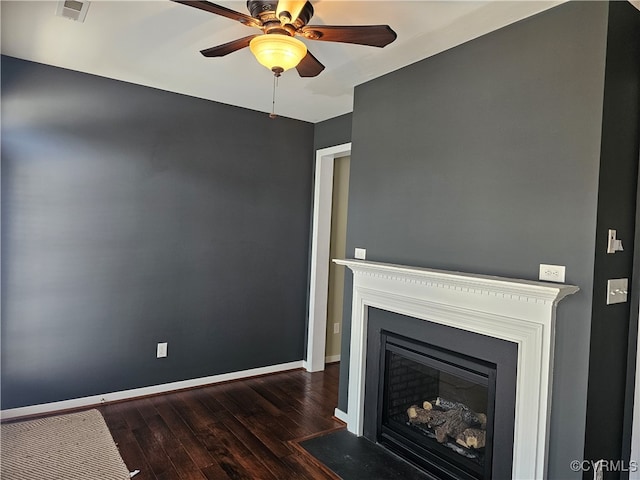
x=320 y=243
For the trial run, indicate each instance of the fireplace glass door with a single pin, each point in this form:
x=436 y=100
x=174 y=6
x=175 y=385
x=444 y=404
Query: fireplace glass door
x=437 y=408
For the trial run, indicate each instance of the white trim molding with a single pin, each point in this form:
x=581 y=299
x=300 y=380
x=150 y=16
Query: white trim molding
x=332 y=359
x=320 y=258
x=45 y=408
x=340 y=415
x=519 y=311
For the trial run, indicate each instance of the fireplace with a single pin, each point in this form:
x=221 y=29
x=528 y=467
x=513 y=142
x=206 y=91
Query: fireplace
x=454 y=331
x=436 y=407
x=440 y=397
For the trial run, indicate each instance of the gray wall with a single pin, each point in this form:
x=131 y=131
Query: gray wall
x=485 y=159
x=132 y=216
x=334 y=131
x=610 y=326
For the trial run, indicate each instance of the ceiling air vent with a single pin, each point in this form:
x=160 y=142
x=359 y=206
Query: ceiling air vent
x=73 y=9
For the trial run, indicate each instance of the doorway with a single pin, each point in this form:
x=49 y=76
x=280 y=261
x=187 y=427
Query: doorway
x=321 y=254
x=337 y=249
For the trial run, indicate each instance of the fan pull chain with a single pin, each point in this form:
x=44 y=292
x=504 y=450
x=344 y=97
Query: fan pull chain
x=273 y=100
x=277 y=71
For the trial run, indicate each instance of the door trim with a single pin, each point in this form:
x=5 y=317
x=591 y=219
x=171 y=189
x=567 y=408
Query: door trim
x=320 y=243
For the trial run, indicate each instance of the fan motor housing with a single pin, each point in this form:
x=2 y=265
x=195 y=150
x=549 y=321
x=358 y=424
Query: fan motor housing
x=266 y=12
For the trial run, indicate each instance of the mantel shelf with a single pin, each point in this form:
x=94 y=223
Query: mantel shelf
x=536 y=291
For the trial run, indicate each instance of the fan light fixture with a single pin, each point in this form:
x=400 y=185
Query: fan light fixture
x=278 y=52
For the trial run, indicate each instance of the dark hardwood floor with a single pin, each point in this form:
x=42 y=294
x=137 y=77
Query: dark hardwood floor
x=237 y=430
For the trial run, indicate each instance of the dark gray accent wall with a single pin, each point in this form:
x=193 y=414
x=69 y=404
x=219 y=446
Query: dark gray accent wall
x=610 y=325
x=132 y=216
x=485 y=159
x=632 y=344
x=335 y=131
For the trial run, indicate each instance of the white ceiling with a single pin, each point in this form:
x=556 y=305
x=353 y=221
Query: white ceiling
x=157 y=43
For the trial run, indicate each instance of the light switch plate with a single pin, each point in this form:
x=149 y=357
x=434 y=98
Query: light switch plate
x=617 y=290
x=611 y=241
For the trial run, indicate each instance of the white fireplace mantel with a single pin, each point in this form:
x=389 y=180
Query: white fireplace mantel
x=518 y=311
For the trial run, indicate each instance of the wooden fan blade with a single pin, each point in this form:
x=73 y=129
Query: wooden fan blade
x=227 y=48
x=223 y=11
x=309 y=66
x=372 y=35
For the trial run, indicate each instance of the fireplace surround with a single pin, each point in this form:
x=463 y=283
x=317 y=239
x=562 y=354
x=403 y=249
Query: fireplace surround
x=518 y=311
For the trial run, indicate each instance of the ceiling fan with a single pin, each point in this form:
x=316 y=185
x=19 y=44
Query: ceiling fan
x=280 y=21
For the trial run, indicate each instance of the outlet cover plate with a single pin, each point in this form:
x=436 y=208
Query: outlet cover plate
x=161 y=351
x=552 y=273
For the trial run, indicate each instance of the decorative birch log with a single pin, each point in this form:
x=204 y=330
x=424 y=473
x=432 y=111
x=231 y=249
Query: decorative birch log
x=471 y=417
x=472 y=438
x=431 y=418
x=453 y=426
x=445 y=424
x=451 y=419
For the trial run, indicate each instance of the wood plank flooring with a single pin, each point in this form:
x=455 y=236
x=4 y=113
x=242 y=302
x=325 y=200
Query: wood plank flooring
x=241 y=430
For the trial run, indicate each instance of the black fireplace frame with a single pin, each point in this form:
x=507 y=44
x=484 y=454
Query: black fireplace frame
x=401 y=440
x=501 y=353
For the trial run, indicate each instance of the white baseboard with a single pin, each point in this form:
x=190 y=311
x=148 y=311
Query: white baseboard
x=331 y=359
x=340 y=415
x=93 y=400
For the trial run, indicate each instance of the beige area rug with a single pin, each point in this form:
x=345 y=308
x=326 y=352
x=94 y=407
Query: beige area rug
x=77 y=446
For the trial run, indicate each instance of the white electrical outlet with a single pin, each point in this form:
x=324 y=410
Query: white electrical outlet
x=360 y=253
x=552 y=273
x=161 y=351
x=336 y=328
